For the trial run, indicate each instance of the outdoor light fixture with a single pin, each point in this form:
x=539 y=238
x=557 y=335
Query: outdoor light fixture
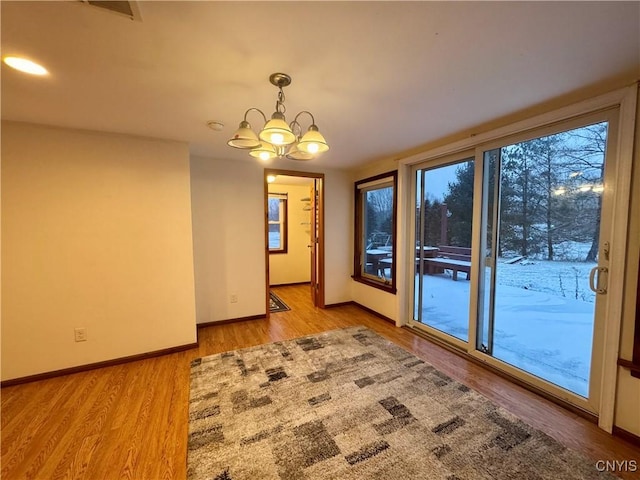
x=277 y=138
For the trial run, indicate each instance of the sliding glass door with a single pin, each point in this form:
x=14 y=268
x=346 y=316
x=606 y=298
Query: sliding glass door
x=444 y=209
x=512 y=252
x=545 y=238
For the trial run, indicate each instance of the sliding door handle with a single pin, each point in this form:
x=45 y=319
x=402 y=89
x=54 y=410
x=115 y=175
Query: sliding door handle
x=599 y=285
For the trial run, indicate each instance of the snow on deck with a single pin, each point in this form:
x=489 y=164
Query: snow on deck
x=543 y=317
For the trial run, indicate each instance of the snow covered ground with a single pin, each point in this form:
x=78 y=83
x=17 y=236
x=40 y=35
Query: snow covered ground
x=543 y=317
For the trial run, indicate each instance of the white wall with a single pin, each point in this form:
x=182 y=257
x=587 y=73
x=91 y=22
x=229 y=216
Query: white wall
x=295 y=265
x=338 y=236
x=96 y=234
x=228 y=235
x=227 y=202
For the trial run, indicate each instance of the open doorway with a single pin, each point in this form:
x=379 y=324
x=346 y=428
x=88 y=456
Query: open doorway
x=294 y=232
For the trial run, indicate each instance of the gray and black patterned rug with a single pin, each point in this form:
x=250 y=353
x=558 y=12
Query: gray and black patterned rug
x=348 y=404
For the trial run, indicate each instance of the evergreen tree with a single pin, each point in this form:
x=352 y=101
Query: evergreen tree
x=459 y=202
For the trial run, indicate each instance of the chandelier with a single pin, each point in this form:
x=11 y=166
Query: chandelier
x=277 y=138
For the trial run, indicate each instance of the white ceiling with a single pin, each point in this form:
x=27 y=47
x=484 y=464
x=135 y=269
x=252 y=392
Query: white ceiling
x=380 y=77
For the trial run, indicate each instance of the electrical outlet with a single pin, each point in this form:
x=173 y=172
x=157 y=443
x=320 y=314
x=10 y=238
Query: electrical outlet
x=233 y=298
x=80 y=334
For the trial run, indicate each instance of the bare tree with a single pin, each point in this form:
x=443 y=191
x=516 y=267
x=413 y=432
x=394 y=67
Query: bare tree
x=587 y=150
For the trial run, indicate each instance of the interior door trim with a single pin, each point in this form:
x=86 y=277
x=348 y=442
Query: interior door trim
x=320 y=251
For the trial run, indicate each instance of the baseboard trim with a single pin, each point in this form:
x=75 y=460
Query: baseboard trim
x=626 y=435
x=289 y=284
x=230 y=320
x=93 y=366
x=373 y=312
x=340 y=304
x=527 y=386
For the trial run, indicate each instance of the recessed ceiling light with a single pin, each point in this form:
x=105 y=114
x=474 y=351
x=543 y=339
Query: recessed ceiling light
x=26 y=66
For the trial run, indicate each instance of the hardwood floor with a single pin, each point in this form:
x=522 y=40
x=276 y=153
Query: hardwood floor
x=130 y=420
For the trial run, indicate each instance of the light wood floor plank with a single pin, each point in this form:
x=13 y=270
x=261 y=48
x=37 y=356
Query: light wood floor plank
x=130 y=421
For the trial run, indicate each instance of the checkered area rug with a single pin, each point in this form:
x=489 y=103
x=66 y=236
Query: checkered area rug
x=348 y=404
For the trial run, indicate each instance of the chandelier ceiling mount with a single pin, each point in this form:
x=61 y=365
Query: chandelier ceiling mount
x=280 y=80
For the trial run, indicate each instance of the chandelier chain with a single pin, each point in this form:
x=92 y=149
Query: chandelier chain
x=280 y=103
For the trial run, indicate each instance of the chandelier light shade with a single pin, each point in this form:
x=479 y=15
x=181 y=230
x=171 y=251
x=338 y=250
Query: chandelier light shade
x=295 y=153
x=244 y=137
x=277 y=132
x=278 y=138
x=265 y=151
x=313 y=142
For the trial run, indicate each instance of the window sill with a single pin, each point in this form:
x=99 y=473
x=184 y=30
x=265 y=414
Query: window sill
x=378 y=285
x=633 y=367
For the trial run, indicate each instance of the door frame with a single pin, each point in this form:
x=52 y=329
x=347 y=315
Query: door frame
x=626 y=100
x=320 y=247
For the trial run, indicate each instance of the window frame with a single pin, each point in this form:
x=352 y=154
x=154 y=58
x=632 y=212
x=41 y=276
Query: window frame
x=359 y=264
x=283 y=222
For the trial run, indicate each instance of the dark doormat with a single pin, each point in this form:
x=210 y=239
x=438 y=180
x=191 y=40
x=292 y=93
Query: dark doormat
x=276 y=305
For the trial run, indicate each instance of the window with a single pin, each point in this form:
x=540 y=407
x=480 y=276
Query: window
x=277 y=223
x=375 y=231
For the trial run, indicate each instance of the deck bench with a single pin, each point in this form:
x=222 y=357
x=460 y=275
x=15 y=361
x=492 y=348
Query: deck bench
x=456 y=259
x=383 y=264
